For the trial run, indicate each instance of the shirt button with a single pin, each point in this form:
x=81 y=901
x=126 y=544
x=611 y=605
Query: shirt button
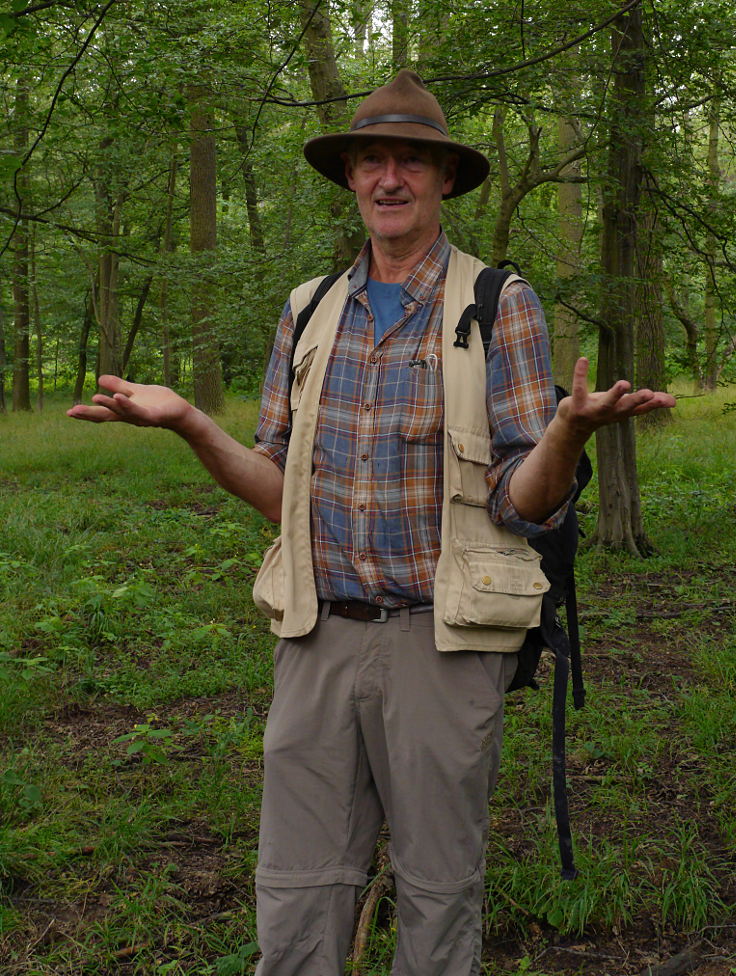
x=374 y=360
x=363 y=557
x=367 y=406
x=379 y=599
x=361 y=508
x=363 y=457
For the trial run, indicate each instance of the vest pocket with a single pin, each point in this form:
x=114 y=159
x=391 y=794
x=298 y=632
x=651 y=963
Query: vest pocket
x=302 y=367
x=268 y=588
x=469 y=458
x=500 y=587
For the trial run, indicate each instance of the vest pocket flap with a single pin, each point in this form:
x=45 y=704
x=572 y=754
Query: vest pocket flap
x=470 y=446
x=302 y=365
x=499 y=587
x=512 y=571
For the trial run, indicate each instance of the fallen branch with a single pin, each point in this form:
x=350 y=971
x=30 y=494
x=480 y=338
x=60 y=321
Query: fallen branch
x=381 y=885
x=684 y=962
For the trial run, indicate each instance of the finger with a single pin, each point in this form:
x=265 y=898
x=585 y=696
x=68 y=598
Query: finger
x=115 y=384
x=96 y=414
x=580 y=381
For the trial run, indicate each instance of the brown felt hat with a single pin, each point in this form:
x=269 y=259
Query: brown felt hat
x=403 y=109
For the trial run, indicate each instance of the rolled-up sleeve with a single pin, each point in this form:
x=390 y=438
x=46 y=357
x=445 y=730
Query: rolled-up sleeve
x=521 y=401
x=272 y=432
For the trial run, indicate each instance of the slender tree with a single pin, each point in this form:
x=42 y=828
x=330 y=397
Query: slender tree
x=208 y=386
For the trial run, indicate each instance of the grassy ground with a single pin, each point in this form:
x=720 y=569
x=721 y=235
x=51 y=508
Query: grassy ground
x=135 y=679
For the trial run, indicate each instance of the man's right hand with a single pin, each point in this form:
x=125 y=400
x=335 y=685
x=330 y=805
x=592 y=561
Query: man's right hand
x=136 y=403
x=241 y=471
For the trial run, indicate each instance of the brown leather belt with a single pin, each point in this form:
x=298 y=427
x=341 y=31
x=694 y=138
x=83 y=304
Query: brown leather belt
x=358 y=610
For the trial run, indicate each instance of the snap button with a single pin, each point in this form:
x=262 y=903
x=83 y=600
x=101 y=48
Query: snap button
x=539 y=586
x=486 y=581
x=461 y=448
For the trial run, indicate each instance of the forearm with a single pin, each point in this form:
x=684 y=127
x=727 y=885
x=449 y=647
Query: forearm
x=541 y=483
x=241 y=471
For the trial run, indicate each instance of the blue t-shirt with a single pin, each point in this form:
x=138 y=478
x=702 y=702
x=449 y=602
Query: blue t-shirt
x=385 y=301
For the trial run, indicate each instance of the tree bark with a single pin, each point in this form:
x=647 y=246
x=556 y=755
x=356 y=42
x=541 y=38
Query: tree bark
x=21 y=296
x=136 y=323
x=710 y=330
x=38 y=329
x=84 y=332
x=169 y=355
x=3 y=360
x=650 y=334
x=619 y=519
x=692 y=332
x=209 y=394
x=566 y=342
x=399 y=34
x=109 y=359
x=325 y=83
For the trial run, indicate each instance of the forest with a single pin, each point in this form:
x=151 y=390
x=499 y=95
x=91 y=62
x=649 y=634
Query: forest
x=155 y=211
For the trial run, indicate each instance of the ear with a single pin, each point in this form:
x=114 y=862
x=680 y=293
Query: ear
x=451 y=164
x=348 y=170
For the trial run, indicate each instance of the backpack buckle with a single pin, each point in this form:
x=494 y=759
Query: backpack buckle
x=462 y=329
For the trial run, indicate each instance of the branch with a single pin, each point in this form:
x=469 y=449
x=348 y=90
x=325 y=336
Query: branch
x=35 y=8
x=75 y=61
x=581 y=315
x=480 y=75
x=82 y=235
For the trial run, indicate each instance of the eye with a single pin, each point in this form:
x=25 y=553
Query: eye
x=414 y=162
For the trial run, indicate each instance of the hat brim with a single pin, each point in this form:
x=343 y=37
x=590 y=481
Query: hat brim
x=324 y=153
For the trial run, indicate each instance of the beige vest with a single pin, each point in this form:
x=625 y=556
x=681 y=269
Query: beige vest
x=489 y=584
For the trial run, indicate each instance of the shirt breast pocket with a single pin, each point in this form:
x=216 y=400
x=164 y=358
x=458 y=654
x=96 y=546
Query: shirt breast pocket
x=422 y=400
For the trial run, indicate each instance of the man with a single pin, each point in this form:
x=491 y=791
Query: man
x=398 y=485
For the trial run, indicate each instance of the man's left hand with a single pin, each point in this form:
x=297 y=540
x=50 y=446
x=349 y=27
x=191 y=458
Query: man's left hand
x=584 y=412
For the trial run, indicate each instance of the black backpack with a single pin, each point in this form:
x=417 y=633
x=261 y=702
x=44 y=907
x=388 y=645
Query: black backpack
x=557 y=549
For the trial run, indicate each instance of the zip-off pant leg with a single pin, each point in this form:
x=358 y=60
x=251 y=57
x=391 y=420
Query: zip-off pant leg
x=370 y=718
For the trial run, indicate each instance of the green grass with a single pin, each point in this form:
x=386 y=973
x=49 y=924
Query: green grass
x=136 y=676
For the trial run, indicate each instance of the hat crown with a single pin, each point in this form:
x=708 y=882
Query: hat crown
x=406 y=97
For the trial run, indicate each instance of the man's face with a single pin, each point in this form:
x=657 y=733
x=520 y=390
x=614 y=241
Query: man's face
x=399 y=187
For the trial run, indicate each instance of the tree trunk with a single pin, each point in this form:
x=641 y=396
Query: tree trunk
x=109 y=358
x=36 y=310
x=136 y=323
x=87 y=322
x=3 y=360
x=209 y=394
x=711 y=249
x=325 y=83
x=170 y=358
x=619 y=519
x=691 y=338
x=566 y=343
x=650 y=334
x=21 y=296
x=399 y=34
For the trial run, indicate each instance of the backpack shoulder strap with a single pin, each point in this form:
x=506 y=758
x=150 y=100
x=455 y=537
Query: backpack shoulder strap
x=489 y=286
x=304 y=299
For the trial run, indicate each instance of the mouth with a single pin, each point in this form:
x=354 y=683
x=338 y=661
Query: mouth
x=388 y=202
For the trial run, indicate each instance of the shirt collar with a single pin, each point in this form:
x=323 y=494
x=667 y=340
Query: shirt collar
x=423 y=280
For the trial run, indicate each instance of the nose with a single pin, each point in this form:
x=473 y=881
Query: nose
x=391 y=178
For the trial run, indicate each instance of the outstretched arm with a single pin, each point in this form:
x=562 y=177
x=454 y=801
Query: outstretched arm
x=241 y=471
x=542 y=481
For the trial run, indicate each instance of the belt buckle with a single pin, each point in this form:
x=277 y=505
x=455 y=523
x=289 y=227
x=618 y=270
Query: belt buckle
x=382 y=616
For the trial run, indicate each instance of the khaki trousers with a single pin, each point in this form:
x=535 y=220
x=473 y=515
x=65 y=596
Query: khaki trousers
x=370 y=720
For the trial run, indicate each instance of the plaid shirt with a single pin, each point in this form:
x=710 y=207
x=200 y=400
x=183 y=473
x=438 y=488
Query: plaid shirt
x=378 y=451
